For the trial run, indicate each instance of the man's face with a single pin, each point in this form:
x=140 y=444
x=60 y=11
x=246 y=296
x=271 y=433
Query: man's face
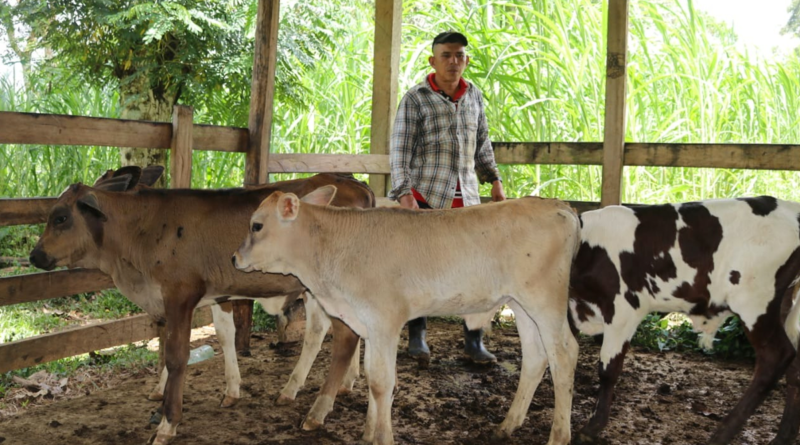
x=449 y=61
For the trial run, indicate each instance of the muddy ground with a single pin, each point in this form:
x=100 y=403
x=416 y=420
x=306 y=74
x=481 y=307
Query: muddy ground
x=665 y=398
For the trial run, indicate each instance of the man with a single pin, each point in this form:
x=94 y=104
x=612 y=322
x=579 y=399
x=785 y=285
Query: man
x=440 y=139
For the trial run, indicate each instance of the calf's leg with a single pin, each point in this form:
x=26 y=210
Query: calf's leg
x=534 y=362
x=226 y=334
x=790 y=422
x=179 y=310
x=380 y=366
x=774 y=353
x=317 y=325
x=562 y=356
x=616 y=339
x=345 y=342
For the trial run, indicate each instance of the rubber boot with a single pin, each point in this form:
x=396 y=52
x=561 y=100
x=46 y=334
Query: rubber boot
x=473 y=347
x=417 y=347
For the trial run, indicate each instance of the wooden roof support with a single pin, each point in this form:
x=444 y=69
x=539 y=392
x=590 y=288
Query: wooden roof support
x=614 y=134
x=259 y=128
x=385 y=71
x=262 y=92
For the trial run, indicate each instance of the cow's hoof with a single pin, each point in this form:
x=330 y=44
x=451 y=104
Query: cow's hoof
x=229 y=401
x=311 y=424
x=155 y=397
x=160 y=439
x=284 y=400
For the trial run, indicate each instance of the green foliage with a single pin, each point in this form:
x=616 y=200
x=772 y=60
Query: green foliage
x=262 y=321
x=675 y=333
x=655 y=333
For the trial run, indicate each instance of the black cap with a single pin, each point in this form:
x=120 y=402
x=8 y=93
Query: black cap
x=450 y=37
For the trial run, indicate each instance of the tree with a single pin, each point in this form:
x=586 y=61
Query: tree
x=159 y=52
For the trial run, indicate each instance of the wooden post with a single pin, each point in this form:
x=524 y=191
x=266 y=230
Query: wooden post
x=261 y=92
x=259 y=129
x=181 y=151
x=614 y=133
x=386 y=67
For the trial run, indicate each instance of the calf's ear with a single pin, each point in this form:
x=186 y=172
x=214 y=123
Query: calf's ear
x=150 y=174
x=321 y=196
x=288 y=207
x=88 y=203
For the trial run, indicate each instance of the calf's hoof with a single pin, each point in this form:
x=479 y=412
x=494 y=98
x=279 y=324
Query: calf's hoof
x=284 y=400
x=343 y=391
x=311 y=424
x=155 y=397
x=228 y=401
x=500 y=435
x=160 y=439
x=155 y=419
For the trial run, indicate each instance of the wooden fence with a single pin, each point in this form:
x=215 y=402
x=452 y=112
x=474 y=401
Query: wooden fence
x=181 y=137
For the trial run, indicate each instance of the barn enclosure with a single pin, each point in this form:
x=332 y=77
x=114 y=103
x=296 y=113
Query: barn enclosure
x=182 y=136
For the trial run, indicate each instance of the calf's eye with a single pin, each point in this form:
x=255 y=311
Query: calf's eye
x=60 y=220
x=257 y=227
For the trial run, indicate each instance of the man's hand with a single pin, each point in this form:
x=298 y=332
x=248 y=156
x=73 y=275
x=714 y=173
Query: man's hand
x=497 y=191
x=409 y=202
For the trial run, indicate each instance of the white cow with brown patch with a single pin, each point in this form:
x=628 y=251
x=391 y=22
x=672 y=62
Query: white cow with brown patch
x=377 y=269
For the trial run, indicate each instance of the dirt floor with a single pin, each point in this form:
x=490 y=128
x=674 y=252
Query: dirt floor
x=663 y=398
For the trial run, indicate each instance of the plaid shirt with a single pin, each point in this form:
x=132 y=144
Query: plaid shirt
x=436 y=143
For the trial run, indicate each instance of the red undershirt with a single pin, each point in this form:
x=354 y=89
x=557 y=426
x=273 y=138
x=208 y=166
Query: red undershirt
x=462 y=88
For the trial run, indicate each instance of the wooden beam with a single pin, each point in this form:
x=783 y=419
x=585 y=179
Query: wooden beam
x=54 y=129
x=181 y=153
x=262 y=91
x=385 y=72
x=82 y=339
x=749 y=156
x=581 y=153
x=24 y=211
x=614 y=130
x=47 y=285
x=213 y=138
x=318 y=163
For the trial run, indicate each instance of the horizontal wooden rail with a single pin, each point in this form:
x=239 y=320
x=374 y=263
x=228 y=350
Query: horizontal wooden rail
x=81 y=339
x=47 y=285
x=325 y=163
x=56 y=129
x=24 y=211
x=581 y=153
x=210 y=137
x=749 y=156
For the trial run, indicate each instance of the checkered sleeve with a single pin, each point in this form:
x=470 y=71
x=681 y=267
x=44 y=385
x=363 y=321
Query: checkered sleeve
x=485 y=165
x=401 y=145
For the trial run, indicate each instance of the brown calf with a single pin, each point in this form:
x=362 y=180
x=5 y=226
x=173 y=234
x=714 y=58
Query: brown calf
x=168 y=250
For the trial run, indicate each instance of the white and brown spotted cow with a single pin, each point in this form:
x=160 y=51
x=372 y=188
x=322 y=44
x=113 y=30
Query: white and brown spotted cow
x=707 y=259
x=168 y=251
x=361 y=268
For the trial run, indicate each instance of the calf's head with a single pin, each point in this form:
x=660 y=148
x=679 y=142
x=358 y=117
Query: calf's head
x=74 y=230
x=277 y=229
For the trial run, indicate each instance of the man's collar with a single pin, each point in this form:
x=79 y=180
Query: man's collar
x=462 y=87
